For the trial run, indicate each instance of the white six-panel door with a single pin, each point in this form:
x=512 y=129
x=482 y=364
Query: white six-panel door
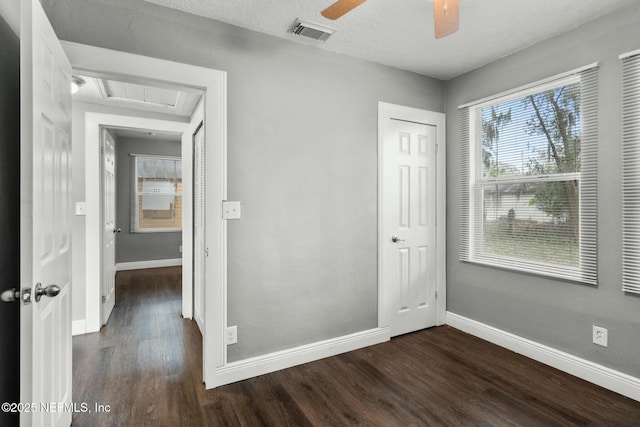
x=409 y=228
x=109 y=225
x=45 y=225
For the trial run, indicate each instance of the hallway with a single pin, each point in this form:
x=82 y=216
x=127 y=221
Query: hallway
x=146 y=363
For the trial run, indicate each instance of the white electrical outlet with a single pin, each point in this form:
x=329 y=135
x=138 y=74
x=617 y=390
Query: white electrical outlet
x=600 y=336
x=232 y=335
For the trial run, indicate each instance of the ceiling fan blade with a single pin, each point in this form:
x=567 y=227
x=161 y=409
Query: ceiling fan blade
x=340 y=7
x=446 y=17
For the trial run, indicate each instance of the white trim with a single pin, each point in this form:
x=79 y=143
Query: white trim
x=137 y=68
x=388 y=111
x=601 y=375
x=629 y=54
x=260 y=365
x=93 y=228
x=78 y=327
x=548 y=80
x=156 y=263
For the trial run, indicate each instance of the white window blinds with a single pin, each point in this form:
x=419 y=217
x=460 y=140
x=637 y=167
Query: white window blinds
x=156 y=202
x=631 y=172
x=529 y=170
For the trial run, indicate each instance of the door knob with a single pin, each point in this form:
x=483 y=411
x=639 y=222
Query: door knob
x=10 y=295
x=50 y=291
x=14 y=294
x=117 y=230
x=396 y=239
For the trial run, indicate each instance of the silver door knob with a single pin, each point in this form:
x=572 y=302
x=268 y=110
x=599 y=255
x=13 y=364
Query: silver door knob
x=50 y=291
x=10 y=295
x=396 y=239
x=117 y=230
x=14 y=294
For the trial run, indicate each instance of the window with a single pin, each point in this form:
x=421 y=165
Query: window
x=529 y=163
x=631 y=172
x=157 y=194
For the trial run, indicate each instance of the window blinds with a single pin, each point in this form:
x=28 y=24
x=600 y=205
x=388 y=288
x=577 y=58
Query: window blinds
x=631 y=173
x=156 y=193
x=528 y=181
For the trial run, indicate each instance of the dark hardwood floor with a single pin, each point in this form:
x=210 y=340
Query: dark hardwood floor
x=147 y=365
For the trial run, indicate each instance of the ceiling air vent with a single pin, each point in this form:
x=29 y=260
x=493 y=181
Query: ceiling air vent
x=311 y=30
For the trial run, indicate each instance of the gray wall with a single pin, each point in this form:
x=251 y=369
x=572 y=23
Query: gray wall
x=555 y=313
x=132 y=247
x=302 y=158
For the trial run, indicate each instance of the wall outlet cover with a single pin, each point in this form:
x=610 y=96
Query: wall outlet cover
x=600 y=336
x=232 y=335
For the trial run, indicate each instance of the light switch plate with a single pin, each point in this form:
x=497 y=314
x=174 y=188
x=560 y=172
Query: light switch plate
x=81 y=208
x=231 y=210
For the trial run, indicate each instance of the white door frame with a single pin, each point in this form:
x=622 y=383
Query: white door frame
x=94 y=124
x=386 y=112
x=136 y=68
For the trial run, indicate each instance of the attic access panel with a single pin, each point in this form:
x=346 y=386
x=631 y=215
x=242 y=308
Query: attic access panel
x=131 y=92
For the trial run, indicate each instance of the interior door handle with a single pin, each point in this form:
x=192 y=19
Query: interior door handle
x=50 y=291
x=10 y=295
x=117 y=230
x=396 y=239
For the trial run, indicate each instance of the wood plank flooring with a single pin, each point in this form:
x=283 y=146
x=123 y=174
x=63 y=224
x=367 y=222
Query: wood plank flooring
x=147 y=365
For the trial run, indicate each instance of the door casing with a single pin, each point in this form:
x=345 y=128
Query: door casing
x=387 y=111
x=136 y=68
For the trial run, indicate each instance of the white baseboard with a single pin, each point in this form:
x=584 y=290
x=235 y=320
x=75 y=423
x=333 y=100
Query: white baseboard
x=601 y=375
x=138 y=265
x=260 y=365
x=78 y=327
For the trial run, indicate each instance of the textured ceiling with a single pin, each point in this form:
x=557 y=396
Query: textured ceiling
x=400 y=32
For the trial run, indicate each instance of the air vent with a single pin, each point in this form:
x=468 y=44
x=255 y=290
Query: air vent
x=311 y=30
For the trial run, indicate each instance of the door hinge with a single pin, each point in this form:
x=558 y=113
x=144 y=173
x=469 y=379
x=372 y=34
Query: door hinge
x=437 y=148
x=104 y=299
x=436 y=294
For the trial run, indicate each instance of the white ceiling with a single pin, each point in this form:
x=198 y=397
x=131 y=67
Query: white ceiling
x=137 y=96
x=400 y=32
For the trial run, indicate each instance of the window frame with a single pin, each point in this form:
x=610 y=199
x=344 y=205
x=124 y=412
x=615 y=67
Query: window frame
x=136 y=194
x=472 y=230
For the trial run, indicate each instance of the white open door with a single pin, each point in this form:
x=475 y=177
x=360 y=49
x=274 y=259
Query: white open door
x=109 y=229
x=45 y=222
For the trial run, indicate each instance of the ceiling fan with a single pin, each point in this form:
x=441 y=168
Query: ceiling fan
x=445 y=14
